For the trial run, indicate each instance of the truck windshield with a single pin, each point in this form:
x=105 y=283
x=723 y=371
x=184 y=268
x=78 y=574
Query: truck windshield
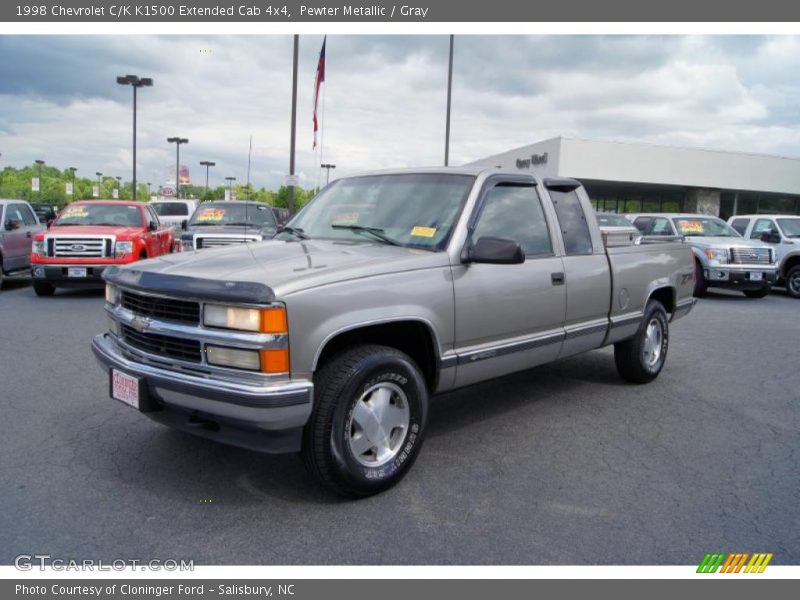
x=233 y=213
x=119 y=215
x=791 y=227
x=704 y=227
x=415 y=210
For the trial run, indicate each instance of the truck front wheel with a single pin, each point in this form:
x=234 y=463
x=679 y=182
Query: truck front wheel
x=793 y=282
x=641 y=358
x=42 y=288
x=370 y=411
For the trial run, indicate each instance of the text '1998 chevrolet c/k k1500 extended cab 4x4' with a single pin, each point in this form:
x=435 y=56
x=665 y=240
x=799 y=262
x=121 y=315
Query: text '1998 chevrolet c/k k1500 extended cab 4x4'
x=385 y=289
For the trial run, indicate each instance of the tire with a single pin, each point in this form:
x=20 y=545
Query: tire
x=356 y=381
x=2 y=275
x=793 y=282
x=760 y=293
x=42 y=288
x=700 y=284
x=641 y=358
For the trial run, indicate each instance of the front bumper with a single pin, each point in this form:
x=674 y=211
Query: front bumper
x=266 y=417
x=740 y=277
x=59 y=275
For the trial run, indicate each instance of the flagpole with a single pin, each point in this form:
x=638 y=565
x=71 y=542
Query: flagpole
x=290 y=199
x=322 y=125
x=249 y=153
x=449 y=97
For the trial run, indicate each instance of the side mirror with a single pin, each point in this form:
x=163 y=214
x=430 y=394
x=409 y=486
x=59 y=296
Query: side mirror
x=771 y=237
x=12 y=225
x=152 y=226
x=496 y=251
x=184 y=225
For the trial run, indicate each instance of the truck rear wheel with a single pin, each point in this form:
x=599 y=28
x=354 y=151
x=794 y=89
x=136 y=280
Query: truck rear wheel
x=370 y=412
x=42 y=288
x=641 y=358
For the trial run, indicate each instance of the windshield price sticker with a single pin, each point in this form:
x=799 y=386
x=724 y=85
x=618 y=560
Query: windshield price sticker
x=211 y=214
x=77 y=211
x=427 y=232
x=690 y=226
x=346 y=219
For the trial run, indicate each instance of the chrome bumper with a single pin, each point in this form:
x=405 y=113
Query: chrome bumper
x=225 y=409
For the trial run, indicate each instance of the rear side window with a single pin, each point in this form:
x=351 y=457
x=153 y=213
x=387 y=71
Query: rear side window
x=514 y=212
x=572 y=220
x=740 y=225
x=643 y=223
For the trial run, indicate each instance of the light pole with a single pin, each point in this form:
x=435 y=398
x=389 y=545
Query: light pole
x=177 y=141
x=207 y=164
x=40 y=163
x=327 y=167
x=230 y=181
x=119 y=179
x=72 y=170
x=99 y=182
x=148 y=190
x=135 y=82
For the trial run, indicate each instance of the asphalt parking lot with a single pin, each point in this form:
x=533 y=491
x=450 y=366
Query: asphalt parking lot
x=564 y=464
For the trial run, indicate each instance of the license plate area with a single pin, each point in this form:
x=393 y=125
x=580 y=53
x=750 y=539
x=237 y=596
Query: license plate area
x=126 y=388
x=756 y=276
x=77 y=272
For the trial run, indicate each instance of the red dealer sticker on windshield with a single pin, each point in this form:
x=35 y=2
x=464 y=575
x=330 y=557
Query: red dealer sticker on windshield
x=211 y=214
x=690 y=226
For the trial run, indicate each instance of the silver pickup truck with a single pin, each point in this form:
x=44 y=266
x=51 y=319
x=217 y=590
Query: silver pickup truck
x=386 y=289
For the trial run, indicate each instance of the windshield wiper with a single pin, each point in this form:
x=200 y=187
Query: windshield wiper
x=375 y=231
x=295 y=231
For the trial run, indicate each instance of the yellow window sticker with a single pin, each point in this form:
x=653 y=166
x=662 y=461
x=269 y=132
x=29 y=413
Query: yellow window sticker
x=75 y=212
x=427 y=232
x=211 y=214
x=346 y=219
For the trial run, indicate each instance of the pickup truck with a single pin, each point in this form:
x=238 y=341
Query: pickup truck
x=723 y=258
x=89 y=236
x=227 y=222
x=782 y=233
x=18 y=225
x=385 y=289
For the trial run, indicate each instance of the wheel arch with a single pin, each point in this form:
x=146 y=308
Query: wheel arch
x=665 y=295
x=789 y=262
x=414 y=337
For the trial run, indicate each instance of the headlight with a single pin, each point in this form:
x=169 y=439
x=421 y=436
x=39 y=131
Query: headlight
x=123 y=248
x=112 y=293
x=265 y=320
x=233 y=357
x=40 y=248
x=718 y=254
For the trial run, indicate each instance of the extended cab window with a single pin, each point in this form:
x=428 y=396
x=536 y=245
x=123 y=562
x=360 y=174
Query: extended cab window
x=740 y=225
x=574 y=228
x=514 y=212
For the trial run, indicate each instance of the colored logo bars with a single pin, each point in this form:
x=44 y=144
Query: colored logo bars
x=734 y=562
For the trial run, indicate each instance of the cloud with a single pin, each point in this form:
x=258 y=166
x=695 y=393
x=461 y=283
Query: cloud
x=385 y=98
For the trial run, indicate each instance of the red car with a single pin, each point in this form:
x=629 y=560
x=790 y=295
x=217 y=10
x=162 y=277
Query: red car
x=88 y=236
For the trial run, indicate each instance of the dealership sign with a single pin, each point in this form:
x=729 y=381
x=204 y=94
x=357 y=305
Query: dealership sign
x=35 y=184
x=535 y=159
x=69 y=188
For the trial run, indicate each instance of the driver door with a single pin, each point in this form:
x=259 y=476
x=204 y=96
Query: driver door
x=510 y=317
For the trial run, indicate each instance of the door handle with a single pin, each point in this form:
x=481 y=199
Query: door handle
x=557 y=278
x=28 y=234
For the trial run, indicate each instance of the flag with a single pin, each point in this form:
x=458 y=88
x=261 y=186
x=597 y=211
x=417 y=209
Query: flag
x=318 y=81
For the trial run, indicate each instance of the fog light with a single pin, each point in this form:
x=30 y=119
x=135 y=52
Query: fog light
x=233 y=357
x=38 y=272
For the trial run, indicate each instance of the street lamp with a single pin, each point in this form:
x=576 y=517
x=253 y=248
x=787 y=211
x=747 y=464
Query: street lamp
x=148 y=190
x=72 y=170
x=40 y=163
x=230 y=181
x=327 y=167
x=177 y=141
x=99 y=182
x=207 y=164
x=135 y=82
x=118 y=178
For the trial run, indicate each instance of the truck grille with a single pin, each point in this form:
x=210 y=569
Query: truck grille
x=162 y=308
x=163 y=345
x=751 y=256
x=212 y=242
x=79 y=247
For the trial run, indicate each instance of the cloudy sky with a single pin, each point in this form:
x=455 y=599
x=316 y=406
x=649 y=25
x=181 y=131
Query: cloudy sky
x=385 y=98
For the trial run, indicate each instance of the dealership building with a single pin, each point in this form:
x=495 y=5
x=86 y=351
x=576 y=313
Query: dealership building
x=625 y=177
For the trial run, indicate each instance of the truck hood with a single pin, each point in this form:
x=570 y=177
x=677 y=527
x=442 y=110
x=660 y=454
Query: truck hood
x=276 y=267
x=724 y=242
x=89 y=230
